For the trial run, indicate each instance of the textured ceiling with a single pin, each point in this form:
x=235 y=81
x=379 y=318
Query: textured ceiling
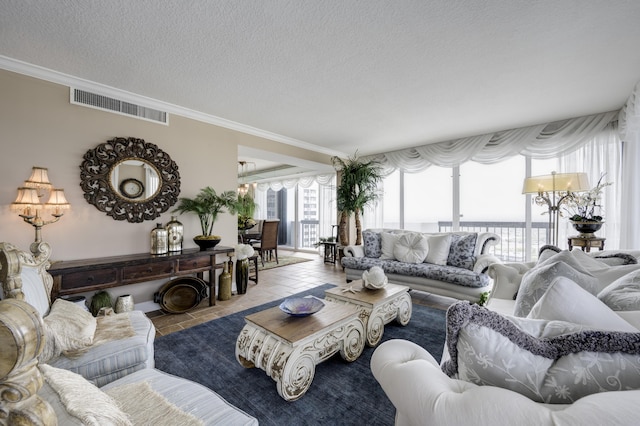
x=345 y=75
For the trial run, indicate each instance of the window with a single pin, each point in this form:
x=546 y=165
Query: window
x=490 y=200
x=306 y=213
x=428 y=199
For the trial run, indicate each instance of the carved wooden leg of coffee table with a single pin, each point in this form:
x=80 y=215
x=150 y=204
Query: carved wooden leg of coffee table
x=405 y=309
x=293 y=366
x=399 y=309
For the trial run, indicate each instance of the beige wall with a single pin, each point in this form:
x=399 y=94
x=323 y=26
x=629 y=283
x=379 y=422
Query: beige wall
x=40 y=127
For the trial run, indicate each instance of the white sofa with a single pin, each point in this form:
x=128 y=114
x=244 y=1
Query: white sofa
x=37 y=394
x=451 y=264
x=509 y=363
x=74 y=390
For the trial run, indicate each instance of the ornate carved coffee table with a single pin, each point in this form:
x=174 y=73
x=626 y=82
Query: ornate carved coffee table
x=377 y=307
x=288 y=348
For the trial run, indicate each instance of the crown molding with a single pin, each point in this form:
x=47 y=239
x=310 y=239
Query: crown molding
x=52 y=76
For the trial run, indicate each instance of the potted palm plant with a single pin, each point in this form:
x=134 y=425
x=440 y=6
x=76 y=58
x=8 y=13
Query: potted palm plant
x=358 y=188
x=207 y=205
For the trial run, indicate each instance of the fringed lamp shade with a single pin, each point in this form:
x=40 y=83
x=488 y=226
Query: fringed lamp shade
x=28 y=204
x=39 y=179
x=57 y=201
x=27 y=199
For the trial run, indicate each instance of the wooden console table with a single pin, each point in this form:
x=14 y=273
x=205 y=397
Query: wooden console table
x=79 y=276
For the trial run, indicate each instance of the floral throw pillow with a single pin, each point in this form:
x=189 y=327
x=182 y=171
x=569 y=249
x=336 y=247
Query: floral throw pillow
x=461 y=251
x=372 y=244
x=537 y=280
x=567 y=301
x=547 y=361
x=624 y=293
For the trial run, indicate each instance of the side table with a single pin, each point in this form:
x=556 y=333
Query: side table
x=329 y=252
x=586 y=243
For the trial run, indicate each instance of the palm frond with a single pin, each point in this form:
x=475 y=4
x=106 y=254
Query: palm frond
x=207 y=205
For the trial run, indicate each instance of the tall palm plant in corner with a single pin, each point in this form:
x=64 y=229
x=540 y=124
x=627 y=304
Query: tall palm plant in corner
x=358 y=188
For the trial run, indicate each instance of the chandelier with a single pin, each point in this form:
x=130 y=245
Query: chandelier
x=243 y=186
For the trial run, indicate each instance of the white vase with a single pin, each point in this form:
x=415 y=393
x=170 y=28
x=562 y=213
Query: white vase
x=124 y=304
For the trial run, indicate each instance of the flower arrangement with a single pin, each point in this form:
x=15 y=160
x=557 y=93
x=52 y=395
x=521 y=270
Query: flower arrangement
x=246 y=207
x=245 y=222
x=244 y=251
x=585 y=206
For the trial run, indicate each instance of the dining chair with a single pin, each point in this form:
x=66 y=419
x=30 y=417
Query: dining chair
x=268 y=244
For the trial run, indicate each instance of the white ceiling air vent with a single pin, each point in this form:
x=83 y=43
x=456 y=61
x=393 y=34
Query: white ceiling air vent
x=105 y=103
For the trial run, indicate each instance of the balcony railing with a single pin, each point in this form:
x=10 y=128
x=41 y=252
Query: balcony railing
x=511 y=247
x=512 y=237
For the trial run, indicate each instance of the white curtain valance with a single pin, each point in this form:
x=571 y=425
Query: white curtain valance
x=541 y=141
x=303 y=181
x=629 y=117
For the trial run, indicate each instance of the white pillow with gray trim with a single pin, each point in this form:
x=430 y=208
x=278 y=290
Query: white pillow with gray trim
x=547 y=361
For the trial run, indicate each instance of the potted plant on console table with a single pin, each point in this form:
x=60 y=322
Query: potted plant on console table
x=585 y=209
x=207 y=205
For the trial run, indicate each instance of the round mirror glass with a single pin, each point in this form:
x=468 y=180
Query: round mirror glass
x=135 y=180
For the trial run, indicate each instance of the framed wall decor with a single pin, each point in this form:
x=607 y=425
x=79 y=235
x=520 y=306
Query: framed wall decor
x=131 y=188
x=130 y=179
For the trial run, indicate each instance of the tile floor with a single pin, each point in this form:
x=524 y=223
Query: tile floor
x=273 y=284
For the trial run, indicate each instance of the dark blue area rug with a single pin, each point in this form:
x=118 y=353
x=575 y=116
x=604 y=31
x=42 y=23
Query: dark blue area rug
x=342 y=393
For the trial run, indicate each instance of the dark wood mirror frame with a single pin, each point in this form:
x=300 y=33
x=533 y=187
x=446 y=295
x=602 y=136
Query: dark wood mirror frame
x=95 y=179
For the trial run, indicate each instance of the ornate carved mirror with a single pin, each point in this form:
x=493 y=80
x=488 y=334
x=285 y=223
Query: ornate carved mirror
x=130 y=179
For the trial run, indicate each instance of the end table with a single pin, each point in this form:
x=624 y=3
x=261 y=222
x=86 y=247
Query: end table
x=586 y=243
x=330 y=252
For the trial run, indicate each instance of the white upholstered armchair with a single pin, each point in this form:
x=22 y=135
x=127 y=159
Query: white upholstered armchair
x=424 y=395
x=572 y=358
x=25 y=277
